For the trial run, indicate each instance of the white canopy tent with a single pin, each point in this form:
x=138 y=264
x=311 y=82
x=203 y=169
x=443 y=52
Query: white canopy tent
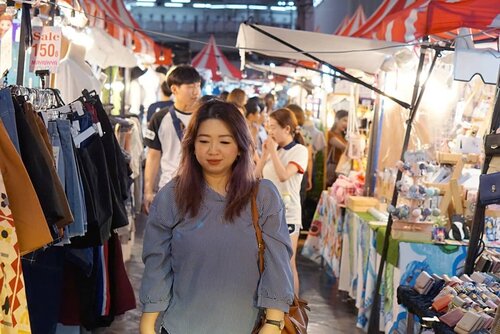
x=288 y=71
x=348 y=52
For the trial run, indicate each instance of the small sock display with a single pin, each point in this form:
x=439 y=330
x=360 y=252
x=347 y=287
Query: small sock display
x=417 y=213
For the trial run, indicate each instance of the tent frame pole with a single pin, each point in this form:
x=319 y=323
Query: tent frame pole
x=347 y=75
x=477 y=228
x=373 y=324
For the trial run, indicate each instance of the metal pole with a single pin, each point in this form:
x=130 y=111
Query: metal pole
x=373 y=325
x=21 y=58
x=477 y=228
x=372 y=153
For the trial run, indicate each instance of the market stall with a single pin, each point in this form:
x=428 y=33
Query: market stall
x=448 y=127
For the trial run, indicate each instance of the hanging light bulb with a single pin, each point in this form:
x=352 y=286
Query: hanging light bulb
x=270 y=76
x=162 y=56
x=243 y=74
x=133 y=45
x=218 y=72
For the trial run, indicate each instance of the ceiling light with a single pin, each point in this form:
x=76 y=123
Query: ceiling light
x=201 y=5
x=145 y=4
x=181 y=1
x=278 y=9
x=171 y=4
x=236 y=6
x=257 y=7
x=218 y=7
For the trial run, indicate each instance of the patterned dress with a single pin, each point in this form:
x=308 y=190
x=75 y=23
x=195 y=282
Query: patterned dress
x=14 y=317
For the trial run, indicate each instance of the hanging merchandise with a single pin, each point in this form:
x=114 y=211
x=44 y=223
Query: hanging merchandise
x=72 y=150
x=14 y=317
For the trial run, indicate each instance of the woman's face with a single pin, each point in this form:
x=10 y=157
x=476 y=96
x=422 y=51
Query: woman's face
x=215 y=148
x=342 y=124
x=280 y=135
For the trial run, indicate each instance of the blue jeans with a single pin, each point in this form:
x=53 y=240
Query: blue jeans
x=72 y=180
x=8 y=116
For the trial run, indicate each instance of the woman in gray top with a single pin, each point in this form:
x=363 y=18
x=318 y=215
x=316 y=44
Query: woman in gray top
x=200 y=249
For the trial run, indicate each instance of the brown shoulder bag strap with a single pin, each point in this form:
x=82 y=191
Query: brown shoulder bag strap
x=258 y=232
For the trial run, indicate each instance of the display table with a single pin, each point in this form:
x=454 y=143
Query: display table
x=347 y=242
x=324 y=241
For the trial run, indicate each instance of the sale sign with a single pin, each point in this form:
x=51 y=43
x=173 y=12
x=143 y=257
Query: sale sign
x=46 y=49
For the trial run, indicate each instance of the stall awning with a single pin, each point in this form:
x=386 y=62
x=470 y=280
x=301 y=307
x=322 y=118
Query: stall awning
x=387 y=7
x=105 y=48
x=147 y=43
x=354 y=23
x=102 y=14
x=349 y=52
x=212 y=58
x=432 y=17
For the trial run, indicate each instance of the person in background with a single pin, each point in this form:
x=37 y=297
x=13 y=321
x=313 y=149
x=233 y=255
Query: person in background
x=269 y=101
x=284 y=161
x=254 y=120
x=337 y=144
x=200 y=247
x=223 y=95
x=165 y=101
x=165 y=130
x=307 y=183
x=239 y=98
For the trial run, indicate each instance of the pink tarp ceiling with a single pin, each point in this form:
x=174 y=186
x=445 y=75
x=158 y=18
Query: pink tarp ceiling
x=212 y=58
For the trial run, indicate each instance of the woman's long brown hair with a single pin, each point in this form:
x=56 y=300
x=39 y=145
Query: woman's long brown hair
x=190 y=184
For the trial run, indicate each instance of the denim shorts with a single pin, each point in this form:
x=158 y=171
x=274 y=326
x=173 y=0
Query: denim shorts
x=72 y=179
x=8 y=116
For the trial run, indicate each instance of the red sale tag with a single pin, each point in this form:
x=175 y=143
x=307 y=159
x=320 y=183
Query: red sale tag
x=46 y=49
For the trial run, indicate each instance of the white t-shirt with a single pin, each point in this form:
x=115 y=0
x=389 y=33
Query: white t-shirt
x=73 y=77
x=296 y=154
x=161 y=135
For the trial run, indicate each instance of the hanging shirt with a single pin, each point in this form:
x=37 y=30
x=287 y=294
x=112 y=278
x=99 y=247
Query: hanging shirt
x=72 y=78
x=289 y=190
x=14 y=317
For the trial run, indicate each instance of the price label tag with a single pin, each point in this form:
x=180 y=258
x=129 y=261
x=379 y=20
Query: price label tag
x=46 y=49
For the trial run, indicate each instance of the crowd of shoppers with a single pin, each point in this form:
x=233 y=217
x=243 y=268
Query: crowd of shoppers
x=215 y=155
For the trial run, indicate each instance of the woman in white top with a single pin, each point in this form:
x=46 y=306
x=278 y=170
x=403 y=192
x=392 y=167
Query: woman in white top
x=284 y=160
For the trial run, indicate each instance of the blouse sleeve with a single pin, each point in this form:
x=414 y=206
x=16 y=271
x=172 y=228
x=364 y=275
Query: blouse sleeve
x=275 y=288
x=157 y=279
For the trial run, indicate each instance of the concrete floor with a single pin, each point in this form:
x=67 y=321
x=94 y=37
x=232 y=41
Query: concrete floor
x=330 y=313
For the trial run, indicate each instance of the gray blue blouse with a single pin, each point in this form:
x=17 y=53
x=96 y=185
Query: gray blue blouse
x=203 y=271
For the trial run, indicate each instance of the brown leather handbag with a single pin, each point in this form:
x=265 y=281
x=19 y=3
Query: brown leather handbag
x=296 y=319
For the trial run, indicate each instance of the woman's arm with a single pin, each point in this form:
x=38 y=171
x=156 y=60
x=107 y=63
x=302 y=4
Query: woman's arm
x=275 y=289
x=148 y=321
x=262 y=161
x=309 y=168
x=284 y=173
x=157 y=277
x=272 y=314
x=335 y=142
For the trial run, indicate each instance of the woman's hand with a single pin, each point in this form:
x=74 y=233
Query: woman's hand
x=270 y=145
x=270 y=329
